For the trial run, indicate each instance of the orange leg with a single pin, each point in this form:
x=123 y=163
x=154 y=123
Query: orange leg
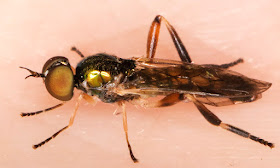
x=71 y=121
x=168 y=100
x=126 y=131
x=153 y=39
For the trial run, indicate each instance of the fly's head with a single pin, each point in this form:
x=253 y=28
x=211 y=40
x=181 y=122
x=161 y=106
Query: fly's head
x=58 y=77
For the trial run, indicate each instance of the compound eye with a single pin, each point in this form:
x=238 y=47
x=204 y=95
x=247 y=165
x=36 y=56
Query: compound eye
x=59 y=82
x=55 y=61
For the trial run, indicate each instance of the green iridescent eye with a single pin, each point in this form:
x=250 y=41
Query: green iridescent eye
x=97 y=78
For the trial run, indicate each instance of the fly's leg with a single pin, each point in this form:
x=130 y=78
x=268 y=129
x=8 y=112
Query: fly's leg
x=90 y=99
x=125 y=130
x=77 y=51
x=213 y=119
x=168 y=100
x=153 y=39
x=41 y=111
x=228 y=65
x=71 y=121
x=231 y=64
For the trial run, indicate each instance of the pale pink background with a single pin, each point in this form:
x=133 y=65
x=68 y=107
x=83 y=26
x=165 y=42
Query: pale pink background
x=214 y=32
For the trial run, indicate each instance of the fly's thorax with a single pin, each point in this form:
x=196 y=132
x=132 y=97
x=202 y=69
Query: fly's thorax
x=99 y=73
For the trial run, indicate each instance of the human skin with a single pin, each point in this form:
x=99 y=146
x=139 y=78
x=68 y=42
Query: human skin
x=178 y=136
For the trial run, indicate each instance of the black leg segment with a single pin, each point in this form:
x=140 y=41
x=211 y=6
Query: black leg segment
x=213 y=119
x=153 y=39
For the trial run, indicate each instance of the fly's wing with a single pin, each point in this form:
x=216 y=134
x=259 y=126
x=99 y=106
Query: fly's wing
x=225 y=101
x=210 y=84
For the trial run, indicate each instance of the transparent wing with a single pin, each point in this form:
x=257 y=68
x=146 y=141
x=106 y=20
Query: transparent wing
x=162 y=77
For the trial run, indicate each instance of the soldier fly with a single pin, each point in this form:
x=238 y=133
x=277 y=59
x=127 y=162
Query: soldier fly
x=117 y=80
